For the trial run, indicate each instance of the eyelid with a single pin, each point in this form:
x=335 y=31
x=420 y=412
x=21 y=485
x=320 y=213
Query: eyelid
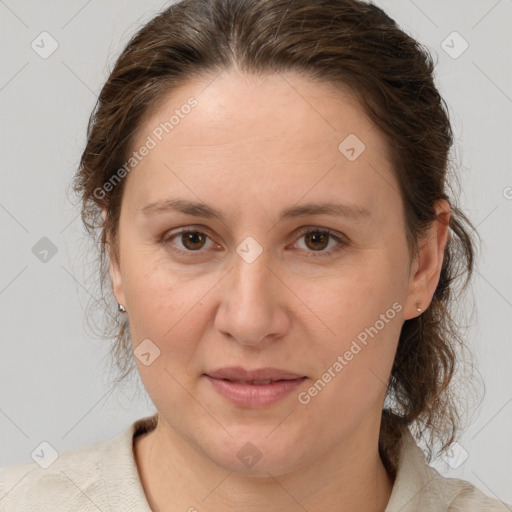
x=339 y=237
x=187 y=229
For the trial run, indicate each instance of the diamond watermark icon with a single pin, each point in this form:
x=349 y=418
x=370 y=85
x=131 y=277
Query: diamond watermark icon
x=44 y=45
x=249 y=249
x=454 y=45
x=351 y=147
x=44 y=250
x=146 y=352
x=44 y=455
x=249 y=454
x=455 y=456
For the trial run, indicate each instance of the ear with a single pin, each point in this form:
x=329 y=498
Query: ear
x=114 y=270
x=426 y=269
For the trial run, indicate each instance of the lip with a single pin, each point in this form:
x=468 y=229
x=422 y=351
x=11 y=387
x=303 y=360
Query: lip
x=235 y=385
x=237 y=373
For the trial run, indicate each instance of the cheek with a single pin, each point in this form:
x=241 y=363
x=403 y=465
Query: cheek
x=356 y=362
x=165 y=305
x=164 y=308
x=362 y=310
x=355 y=297
x=150 y=287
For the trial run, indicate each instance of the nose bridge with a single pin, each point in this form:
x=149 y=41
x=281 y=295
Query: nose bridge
x=250 y=311
x=251 y=277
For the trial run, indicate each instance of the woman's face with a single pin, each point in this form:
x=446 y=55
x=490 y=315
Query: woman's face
x=257 y=284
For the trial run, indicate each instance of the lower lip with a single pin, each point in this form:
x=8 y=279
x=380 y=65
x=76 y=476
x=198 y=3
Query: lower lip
x=252 y=395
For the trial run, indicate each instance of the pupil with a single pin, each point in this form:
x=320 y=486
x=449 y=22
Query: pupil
x=317 y=238
x=193 y=238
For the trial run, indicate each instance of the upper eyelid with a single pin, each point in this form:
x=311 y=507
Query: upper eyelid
x=299 y=232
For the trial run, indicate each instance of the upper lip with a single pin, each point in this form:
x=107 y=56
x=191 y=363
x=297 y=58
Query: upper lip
x=241 y=374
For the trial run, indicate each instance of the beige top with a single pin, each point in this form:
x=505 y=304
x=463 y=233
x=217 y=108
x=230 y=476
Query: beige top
x=104 y=477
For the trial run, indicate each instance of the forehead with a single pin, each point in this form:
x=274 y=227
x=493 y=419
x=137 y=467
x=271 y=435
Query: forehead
x=281 y=134
x=269 y=107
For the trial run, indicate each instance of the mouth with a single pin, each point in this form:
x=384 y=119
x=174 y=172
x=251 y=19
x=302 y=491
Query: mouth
x=254 y=389
x=259 y=376
x=259 y=382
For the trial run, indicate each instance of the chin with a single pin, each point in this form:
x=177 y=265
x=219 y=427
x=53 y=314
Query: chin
x=254 y=452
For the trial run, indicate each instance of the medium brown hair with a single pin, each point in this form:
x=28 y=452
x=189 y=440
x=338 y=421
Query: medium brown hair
x=344 y=43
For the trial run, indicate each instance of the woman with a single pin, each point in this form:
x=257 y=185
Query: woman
x=268 y=180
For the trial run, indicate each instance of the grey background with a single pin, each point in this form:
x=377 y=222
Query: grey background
x=54 y=377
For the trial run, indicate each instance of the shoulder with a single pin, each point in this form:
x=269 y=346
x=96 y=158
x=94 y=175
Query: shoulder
x=421 y=487
x=63 y=485
x=86 y=478
x=465 y=497
x=458 y=495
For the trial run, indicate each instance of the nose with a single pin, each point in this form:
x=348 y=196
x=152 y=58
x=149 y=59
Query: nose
x=254 y=302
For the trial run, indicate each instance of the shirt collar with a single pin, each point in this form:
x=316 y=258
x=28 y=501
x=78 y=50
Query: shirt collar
x=413 y=477
x=121 y=476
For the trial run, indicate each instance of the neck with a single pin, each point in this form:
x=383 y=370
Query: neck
x=177 y=476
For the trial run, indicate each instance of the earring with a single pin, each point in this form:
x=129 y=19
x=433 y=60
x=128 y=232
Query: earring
x=121 y=308
x=418 y=307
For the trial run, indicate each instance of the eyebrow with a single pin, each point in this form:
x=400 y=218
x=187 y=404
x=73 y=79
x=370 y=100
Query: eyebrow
x=198 y=209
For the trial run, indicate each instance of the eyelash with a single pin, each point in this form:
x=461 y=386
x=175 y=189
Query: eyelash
x=342 y=243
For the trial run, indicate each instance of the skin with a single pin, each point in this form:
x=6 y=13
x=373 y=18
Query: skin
x=250 y=159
